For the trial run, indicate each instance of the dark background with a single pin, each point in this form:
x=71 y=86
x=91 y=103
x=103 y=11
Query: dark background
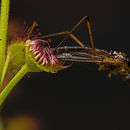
x=66 y=94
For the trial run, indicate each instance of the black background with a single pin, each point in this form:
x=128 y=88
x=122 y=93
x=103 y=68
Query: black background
x=70 y=92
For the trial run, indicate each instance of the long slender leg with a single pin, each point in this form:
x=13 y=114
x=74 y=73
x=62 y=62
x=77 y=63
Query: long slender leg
x=30 y=30
x=64 y=33
x=89 y=29
x=90 y=34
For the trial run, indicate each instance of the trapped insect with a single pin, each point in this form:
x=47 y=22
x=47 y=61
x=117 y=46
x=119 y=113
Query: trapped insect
x=114 y=61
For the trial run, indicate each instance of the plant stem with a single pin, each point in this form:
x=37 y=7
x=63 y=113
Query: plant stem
x=5 y=67
x=3 y=33
x=12 y=83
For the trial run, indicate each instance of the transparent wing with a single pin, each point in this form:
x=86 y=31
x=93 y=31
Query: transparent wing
x=80 y=57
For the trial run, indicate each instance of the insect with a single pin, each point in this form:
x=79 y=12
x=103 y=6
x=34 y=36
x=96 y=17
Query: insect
x=115 y=62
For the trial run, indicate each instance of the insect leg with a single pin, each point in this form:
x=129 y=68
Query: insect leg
x=90 y=33
x=30 y=30
x=64 y=33
x=89 y=29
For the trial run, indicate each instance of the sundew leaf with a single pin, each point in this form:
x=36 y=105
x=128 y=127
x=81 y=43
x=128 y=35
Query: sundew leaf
x=16 y=52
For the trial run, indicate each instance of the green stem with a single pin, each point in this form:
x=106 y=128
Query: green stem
x=5 y=67
x=12 y=83
x=3 y=33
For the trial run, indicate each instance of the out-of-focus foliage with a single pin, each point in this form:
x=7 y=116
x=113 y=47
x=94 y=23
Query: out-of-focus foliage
x=22 y=122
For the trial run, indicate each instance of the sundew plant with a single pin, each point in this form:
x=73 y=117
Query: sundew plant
x=23 y=54
x=29 y=53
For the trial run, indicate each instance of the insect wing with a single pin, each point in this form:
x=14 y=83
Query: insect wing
x=79 y=57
